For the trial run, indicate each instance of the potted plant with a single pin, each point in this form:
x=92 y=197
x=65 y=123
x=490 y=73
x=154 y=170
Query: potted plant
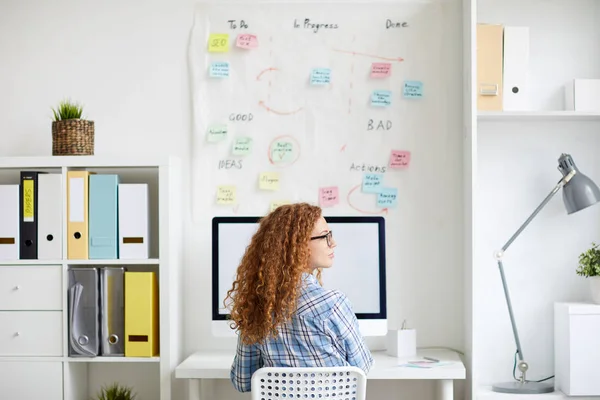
x=115 y=392
x=589 y=267
x=71 y=135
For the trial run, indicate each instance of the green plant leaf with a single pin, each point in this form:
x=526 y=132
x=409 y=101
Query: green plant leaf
x=589 y=262
x=67 y=110
x=115 y=391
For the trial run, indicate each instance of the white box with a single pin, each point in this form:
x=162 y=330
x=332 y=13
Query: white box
x=576 y=348
x=515 y=94
x=583 y=95
x=401 y=343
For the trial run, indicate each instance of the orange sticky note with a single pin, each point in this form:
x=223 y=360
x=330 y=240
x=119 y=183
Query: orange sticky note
x=399 y=159
x=218 y=43
x=381 y=70
x=246 y=41
x=329 y=196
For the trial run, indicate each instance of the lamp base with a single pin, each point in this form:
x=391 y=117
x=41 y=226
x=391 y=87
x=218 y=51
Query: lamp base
x=523 y=387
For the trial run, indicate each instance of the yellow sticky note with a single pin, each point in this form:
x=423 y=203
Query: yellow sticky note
x=269 y=181
x=218 y=43
x=226 y=195
x=275 y=204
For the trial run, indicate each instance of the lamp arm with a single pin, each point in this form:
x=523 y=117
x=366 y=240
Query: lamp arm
x=500 y=254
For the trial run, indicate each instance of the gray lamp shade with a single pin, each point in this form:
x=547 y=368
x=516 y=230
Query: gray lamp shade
x=580 y=192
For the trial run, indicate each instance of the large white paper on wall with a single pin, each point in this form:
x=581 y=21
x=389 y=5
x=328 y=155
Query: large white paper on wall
x=298 y=101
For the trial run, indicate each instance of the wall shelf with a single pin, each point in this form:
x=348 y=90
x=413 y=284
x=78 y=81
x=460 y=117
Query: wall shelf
x=537 y=116
x=114 y=359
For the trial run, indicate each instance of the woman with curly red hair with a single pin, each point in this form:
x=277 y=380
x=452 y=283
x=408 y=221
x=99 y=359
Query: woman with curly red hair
x=283 y=316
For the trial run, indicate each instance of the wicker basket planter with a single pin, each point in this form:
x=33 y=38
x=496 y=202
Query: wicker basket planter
x=72 y=137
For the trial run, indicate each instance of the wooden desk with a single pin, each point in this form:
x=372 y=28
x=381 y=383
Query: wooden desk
x=216 y=364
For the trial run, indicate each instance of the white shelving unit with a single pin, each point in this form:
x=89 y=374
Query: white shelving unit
x=508 y=156
x=46 y=371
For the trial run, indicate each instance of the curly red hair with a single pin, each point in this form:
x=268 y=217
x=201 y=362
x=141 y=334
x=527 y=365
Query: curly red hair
x=265 y=289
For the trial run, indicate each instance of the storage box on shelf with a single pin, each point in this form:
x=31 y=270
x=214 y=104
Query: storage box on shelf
x=538 y=71
x=576 y=349
x=35 y=325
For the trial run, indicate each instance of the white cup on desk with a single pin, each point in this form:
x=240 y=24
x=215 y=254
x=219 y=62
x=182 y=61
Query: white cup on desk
x=401 y=342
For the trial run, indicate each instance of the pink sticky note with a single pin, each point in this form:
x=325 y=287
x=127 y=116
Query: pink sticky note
x=381 y=70
x=399 y=159
x=329 y=196
x=246 y=41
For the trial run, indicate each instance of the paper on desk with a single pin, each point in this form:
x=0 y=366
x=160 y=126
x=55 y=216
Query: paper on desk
x=425 y=364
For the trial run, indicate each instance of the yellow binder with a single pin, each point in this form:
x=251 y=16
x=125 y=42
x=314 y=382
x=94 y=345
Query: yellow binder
x=489 y=67
x=77 y=215
x=141 y=314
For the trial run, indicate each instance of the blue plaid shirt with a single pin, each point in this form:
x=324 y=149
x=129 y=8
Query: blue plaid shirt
x=322 y=333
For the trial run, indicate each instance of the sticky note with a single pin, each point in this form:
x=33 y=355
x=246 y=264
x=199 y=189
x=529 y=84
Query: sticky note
x=216 y=133
x=218 y=42
x=372 y=183
x=246 y=41
x=242 y=146
x=413 y=89
x=268 y=181
x=282 y=151
x=381 y=70
x=381 y=98
x=320 y=76
x=275 y=204
x=388 y=197
x=399 y=159
x=226 y=195
x=329 y=196
x=219 y=69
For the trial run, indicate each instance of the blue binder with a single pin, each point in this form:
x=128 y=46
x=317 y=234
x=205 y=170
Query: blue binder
x=103 y=216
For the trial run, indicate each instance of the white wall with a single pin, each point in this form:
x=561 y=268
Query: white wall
x=127 y=61
x=516 y=169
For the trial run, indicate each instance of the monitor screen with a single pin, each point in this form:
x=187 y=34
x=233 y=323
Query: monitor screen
x=358 y=269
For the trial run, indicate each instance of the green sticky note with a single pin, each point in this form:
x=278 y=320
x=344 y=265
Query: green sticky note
x=282 y=151
x=216 y=133
x=242 y=146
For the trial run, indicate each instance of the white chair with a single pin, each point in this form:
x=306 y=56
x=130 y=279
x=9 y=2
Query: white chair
x=289 y=383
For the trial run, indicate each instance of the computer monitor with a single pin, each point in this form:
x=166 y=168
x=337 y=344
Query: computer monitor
x=358 y=269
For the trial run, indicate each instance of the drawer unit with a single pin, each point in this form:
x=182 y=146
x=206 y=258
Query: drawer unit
x=31 y=287
x=31 y=333
x=24 y=380
x=576 y=348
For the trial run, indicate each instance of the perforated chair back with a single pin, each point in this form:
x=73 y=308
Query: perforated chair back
x=288 y=383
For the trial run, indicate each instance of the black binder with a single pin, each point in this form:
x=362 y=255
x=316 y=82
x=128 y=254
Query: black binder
x=28 y=214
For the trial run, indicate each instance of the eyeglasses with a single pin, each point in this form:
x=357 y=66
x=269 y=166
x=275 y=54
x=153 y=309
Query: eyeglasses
x=328 y=236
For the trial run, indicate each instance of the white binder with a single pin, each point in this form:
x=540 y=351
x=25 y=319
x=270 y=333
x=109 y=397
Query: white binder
x=516 y=85
x=133 y=220
x=50 y=216
x=9 y=222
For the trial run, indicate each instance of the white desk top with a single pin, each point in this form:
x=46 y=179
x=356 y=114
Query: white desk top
x=216 y=364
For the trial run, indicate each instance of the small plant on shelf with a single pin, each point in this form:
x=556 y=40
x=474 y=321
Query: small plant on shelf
x=589 y=262
x=67 y=110
x=71 y=135
x=115 y=392
x=589 y=267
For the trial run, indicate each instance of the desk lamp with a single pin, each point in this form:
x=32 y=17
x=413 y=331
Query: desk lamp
x=579 y=192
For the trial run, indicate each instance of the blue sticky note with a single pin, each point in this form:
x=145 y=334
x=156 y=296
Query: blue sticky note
x=219 y=69
x=387 y=197
x=320 y=76
x=413 y=89
x=381 y=98
x=372 y=183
